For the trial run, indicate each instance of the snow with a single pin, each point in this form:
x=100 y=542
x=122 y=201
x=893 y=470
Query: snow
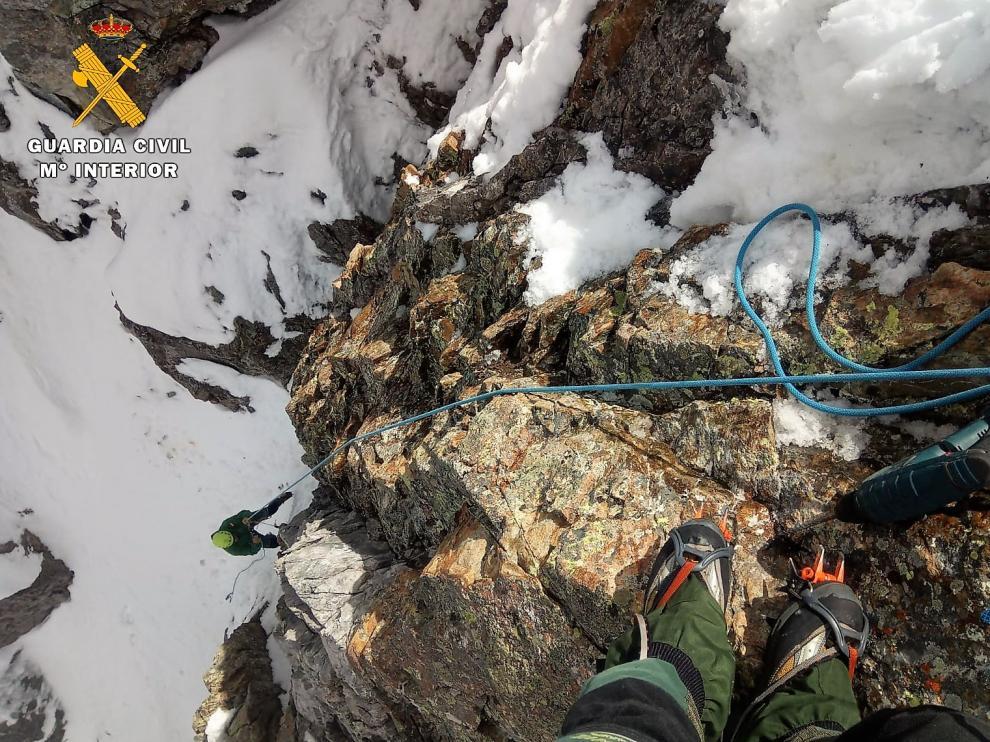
x=591 y=222
x=17 y=569
x=216 y=725
x=126 y=473
x=126 y=484
x=500 y=107
x=466 y=232
x=798 y=425
x=855 y=100
x=426 y=230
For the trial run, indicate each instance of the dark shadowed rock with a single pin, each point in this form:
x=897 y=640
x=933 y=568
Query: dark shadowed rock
x=18 y=197
x=29 y=710
x=337 y=239
x=29 y=608
x=969 y=246
x=240 y=682
x=245 y=353
x=645 y=83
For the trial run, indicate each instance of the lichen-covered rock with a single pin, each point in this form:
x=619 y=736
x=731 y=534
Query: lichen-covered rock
x=241 y=687
x=563 y=500
x=506 y=542
x=470 y=641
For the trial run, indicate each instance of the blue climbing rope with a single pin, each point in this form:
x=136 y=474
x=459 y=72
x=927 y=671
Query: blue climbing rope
x=861 y=373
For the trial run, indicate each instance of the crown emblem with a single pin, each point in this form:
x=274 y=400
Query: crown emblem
x=111 y=28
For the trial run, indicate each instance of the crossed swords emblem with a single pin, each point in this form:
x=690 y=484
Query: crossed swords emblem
x=93 y=72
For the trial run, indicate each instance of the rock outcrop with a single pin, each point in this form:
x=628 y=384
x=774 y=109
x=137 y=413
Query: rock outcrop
x=29 y=608
x=456 y=578
x=527 y=522
x=29 y=709
x=242 y=690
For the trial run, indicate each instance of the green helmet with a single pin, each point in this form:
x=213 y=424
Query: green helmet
x=223 y=539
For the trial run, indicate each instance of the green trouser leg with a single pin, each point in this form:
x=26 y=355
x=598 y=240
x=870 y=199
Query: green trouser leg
x=808 y=707
x=693 y=622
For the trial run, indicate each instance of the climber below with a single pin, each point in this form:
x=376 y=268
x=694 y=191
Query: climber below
x=669 y=678
x=237 y=536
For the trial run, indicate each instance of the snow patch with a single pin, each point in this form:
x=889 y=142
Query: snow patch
x=427 y=230
x=796 y=424
x=505 y=105
x=854 y=100
x=466 y=232
x=216 y=725
x=591 y=222
x=776 y=268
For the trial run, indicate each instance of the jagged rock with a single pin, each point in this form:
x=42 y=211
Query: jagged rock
x=968 y=246
x=646 y=84
x=430 y=104
x=526 y=176
x=240 y=682
x=470 y=641
x=174 y=31
x=29 y=608
x=18 y=198
x=337 y=239
x=245 y=353
x=29 y=709
x=331 y=571
x=565 y=499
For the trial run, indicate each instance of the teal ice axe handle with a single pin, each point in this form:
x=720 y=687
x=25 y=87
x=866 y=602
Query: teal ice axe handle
x=947 y=472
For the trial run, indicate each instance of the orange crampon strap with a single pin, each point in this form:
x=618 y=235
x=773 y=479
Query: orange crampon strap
x=679 y=579
x=853 y=659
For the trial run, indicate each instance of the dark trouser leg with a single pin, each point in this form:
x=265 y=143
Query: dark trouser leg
x=817 y=704
x=921 y=724
x=269 y=540
x=680 y=694
x=269 y=510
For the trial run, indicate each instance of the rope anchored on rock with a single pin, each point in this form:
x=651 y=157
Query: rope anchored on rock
x=911 y=371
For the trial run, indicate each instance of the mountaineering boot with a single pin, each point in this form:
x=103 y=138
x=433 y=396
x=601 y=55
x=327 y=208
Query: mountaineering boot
x=811 y=658
x=670 y=676
x=700 y=547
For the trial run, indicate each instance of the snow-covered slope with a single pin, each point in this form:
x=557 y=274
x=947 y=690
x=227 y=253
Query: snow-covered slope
x=125 y=474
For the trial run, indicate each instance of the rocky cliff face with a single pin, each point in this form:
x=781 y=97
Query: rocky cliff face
x=457 y=578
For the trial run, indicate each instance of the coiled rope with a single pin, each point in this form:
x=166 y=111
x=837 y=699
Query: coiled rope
x=906 y=372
